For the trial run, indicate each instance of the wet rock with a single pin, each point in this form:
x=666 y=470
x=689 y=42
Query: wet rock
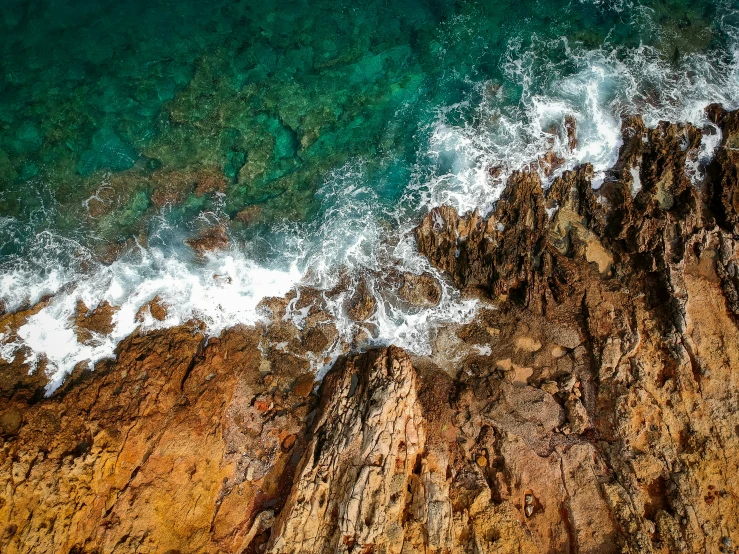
x=495 y=171
x=549 y=163
x=420 y=290
x=155 y=307
x=18 y=379
x=571 y=131
x=493 y=254
x=362 y=304
x=98 y=321
x=209 y=239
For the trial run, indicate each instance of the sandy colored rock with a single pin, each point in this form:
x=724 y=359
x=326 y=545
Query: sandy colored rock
x=303 y=385
x=529 y=344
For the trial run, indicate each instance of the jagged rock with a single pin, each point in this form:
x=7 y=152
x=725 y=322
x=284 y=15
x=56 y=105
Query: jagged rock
x=723 y=185
x=357 y=466
x=495 y=254
x=422 y=290
x=640 y=269
x=17 y=380
x=99 y=321
x=362 y=303
x=155 y=307
x=571 y=131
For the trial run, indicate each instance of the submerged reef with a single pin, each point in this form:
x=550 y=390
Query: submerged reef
x=591 y=405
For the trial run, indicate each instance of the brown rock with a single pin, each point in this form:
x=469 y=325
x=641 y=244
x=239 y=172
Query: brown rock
x=10 y=421
x=155 y=307
x=420 y=290
x=99 y=320
x=288 y=442
x=361 y=305
x=209 y=239
x=571 y=130
x=303 y=385
x=629 y=444
x=159 y=447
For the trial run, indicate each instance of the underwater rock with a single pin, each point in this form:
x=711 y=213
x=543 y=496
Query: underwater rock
x=249 y=215
x=172 y=187
x=210 y=238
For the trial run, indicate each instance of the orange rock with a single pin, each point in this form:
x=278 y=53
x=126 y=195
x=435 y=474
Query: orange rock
x=99 y=320
x=303 y=385
x=156 y=308
x=288 y=442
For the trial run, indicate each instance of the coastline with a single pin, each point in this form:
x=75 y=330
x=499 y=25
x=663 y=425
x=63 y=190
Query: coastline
x=589 y=405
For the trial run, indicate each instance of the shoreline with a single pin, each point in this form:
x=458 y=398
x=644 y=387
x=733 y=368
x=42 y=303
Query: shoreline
x=590 y=405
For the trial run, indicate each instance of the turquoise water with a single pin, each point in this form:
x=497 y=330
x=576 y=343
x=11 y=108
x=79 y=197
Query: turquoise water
x=316 y=132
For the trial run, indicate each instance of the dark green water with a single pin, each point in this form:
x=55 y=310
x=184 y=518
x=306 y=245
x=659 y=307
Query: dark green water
x=312 y=130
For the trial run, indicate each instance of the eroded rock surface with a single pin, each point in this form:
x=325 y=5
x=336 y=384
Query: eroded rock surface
x=639 y=280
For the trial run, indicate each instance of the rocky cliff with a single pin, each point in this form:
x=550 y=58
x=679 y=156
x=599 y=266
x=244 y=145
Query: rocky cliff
x=590 y=406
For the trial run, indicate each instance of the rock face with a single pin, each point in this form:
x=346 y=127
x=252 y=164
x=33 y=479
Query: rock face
x=176 y=446
x=590 y=406
x=352 y=486
x=632 y=290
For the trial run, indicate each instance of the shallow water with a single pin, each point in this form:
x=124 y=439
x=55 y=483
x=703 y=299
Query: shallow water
x=323 y=132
